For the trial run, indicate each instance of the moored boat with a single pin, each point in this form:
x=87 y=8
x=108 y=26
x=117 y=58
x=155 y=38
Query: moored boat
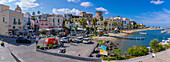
x=142 y=33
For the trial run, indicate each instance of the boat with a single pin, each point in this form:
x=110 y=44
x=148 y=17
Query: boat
x=163 y=31
x=142 y=33
x=165 y=42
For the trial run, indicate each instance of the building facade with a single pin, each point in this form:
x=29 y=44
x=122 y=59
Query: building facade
x=10 y=21
x=55 y=21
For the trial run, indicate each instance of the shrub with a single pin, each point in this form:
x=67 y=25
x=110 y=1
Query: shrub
x=38 y=46
x=54 y=46
x=155 y=45
x=104 y=58
x=101 y=33
x=2 y=43
x=42 y=47
x=50 y=45
x=138 y=51
x=101 y=43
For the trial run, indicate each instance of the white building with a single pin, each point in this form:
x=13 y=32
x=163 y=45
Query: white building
x=56 y=21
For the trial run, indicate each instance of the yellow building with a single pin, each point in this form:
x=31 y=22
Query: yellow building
x=10 y=21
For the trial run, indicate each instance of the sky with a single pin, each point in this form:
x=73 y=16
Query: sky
x=149 y=12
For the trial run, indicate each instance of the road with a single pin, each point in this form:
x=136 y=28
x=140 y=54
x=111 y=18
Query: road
x=28 y=54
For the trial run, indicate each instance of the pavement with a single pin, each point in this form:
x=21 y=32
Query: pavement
x=76 y=49
x=28 y=53
x=5 y=55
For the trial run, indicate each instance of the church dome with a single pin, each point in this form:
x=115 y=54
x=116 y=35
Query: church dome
x=18 y=9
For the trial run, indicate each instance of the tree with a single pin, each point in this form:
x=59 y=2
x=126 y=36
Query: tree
x=154 y=45
x=94 y=21
x=105 y=23
x=33 y=13
x=38 y=12
x=138 y=51
x=87 y=29
x=44 y=31
x=83 y=23
x=91 y=28
x=114 y=24
x=121 y=25
x=117 y=52
x=75 y=28
x=71 y=22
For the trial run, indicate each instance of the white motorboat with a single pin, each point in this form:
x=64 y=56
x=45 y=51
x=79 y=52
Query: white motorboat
x=165 y=42
x=142 y=33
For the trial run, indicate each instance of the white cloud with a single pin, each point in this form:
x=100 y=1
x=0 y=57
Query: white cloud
x=66 y=11
x=102 y=9
x=26 y=4
x=160 y=18
x=6 y=1
x=86 y=4
x=73 y=0
x=157 y=2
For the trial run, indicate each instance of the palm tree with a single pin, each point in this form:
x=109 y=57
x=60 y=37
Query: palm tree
x=83 y=23
x=33 y=13
x=94 y=21
x=38 y=12
x=121 y=25
x=105 y=23
x=114 y=24
x=75 y=28
x=71 y=21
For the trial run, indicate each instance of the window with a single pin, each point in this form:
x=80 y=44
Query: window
x=58 y=20
x=19 y=22
x=98 y=23
x=53 y=20
x=46 y=23
x=42 y=23
x=14 y=21
x=3 y=19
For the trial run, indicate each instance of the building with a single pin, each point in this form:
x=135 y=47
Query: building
x=44 y=24
x=56 y=21
x=87 y=16
x=10 y=20
x=99 y=15
x=27 y=20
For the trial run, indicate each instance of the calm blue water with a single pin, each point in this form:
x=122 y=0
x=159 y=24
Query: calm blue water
x=124 y=44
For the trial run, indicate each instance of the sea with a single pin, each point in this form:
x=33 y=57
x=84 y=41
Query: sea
x=124 y=44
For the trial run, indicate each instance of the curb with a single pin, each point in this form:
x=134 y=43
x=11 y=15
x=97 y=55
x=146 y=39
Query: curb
x=16 y=57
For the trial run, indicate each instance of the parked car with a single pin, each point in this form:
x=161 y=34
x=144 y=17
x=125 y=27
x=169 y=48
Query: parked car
x=78 y=39
x=22 y=40
x=86 y=40
x=69 y=39
x=64 y=39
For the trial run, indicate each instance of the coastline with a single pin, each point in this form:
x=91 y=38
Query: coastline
x=122 y=34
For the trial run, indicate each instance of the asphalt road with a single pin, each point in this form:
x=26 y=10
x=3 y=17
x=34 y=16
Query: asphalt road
x=27 y=52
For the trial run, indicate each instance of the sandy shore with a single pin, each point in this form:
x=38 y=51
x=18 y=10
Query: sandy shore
x=97 y=38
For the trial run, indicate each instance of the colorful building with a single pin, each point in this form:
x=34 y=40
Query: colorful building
x=44 y=24
x=10 y=20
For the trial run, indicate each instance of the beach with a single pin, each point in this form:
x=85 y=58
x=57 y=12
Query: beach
x=122 y=34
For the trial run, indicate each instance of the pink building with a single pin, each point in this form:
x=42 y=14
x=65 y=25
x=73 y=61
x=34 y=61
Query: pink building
x=43 y=24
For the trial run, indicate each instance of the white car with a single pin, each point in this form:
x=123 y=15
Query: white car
x=86 y=40
x=64 y=39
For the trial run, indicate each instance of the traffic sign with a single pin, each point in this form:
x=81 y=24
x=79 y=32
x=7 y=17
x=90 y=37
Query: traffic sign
x=103 y=52
x=103 y=47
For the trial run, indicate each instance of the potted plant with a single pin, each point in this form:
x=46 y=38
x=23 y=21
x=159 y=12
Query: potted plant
x=38 y=46
x=42 y=47
x=2 y=43
x=50 y=46
x=54 y=46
